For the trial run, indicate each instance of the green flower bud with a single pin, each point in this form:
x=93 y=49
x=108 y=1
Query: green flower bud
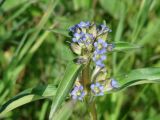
x=76 y=48
x=93 y=30
x=99 y=74
x=103 y=36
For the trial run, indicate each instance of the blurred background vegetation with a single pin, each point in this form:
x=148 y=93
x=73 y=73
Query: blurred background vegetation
x=34 y=50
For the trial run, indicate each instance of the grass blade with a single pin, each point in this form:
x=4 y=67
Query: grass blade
x=124 y=46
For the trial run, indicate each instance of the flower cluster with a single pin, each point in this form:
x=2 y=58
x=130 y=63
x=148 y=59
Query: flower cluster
x=97 y=89
x=89 y=41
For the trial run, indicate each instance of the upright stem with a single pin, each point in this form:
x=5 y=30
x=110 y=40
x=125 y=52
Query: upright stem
x=93 y=112
x=86 y=76
x=86 y=81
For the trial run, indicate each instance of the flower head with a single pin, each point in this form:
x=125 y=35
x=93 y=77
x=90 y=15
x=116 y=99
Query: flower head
x=78 y=93
x=97 y=89
x=91 y=40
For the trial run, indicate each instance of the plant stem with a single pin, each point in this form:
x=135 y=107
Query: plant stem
x=86 y=81
x=92 y=109
x=86 y=76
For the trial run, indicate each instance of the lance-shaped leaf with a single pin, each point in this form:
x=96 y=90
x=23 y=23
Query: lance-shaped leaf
x=27 y=96
x=65 y=86
x=65 y=111
x=124 y=46
x=138 y=76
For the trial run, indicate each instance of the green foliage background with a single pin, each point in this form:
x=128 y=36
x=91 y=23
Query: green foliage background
x=34 y=50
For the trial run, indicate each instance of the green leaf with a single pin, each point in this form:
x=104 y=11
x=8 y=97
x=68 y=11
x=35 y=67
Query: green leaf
x=65 y=86
x=29 y=95
x=64 y=113
x=139 y=76
x=124 y=46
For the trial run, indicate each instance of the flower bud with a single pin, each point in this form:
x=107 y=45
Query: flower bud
x=76 y=48
x=93 y=30
x=110 y=47
x=103 y=36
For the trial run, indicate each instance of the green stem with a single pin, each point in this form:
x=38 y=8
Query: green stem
x=86 y=76
x=93 y=112
x=85 y=82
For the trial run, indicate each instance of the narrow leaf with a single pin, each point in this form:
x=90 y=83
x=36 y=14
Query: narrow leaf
x=124 y=46
x=139 y=76
x=65 y=86
x=65 y=112
x=29 y=95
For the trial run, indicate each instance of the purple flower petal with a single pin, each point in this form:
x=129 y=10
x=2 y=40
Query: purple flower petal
x=78 y=93
x=97 y=89
x=81 y=88
x=101 y=94
x=84 y=24
x=103 y=57
x=101 y=88
x=74 y=39
x=97 y=84
x=114 y=83
x=92 y=86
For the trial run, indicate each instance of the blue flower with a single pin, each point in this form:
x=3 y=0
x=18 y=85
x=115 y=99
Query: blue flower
x=100 y=46
x=97 y=89
x=84 y=24
x=84 y=39
x=74 y=28
x=81 y=25
x=114 y=83
x=78 y=93
x=88 y=39
x=77 y=37
x=103 y=29
x=99 y=59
